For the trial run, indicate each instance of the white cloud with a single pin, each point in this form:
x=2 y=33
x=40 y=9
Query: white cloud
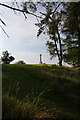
x=18 y=28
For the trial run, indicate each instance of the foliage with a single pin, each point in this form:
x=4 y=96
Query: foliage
x=72 y=32
x=6 y=59
x=20 y=62
x=52 y=25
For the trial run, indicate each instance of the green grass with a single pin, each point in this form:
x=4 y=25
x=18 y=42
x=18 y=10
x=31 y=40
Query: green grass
x=54 y=90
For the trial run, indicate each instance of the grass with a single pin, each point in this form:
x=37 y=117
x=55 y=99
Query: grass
x=53 y=91
x=13 y=107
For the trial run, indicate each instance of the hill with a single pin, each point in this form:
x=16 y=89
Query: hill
x=40 y=91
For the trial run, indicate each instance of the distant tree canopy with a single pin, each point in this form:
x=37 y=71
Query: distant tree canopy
x=60 y=21
x=20 y=62
x=6 y=58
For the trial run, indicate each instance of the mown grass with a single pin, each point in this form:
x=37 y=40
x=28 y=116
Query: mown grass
x=53 y=91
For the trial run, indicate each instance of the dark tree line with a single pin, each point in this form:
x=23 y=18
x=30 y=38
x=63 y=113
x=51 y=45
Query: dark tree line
x=58 y=20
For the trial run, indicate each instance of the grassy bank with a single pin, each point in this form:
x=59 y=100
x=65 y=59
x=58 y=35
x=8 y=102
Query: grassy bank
x=45 y=90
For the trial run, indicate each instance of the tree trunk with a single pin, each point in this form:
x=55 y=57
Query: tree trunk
x=79 y=47
x=60 y=46
x=60 y=61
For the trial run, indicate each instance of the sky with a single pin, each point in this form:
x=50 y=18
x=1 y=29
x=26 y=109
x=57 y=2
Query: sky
x=23 y=43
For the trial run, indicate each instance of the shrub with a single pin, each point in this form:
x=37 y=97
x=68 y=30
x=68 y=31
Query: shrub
x=21 y=62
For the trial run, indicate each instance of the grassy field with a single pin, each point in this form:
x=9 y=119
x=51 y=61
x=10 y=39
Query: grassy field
x=40 y=91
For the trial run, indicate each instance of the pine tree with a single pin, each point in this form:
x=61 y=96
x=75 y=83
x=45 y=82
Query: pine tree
x=72 y=32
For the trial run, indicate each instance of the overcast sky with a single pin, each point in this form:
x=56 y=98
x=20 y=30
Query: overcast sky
x=23 y=43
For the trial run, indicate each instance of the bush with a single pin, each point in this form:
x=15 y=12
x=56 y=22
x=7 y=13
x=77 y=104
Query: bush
x=21 y=62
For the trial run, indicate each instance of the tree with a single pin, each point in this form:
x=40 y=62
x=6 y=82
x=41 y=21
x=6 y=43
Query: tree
x=72 y=32
x=52 y=23
x=6 y=58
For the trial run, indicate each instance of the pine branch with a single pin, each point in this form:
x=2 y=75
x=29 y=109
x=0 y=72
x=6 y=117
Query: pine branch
x=19 y=10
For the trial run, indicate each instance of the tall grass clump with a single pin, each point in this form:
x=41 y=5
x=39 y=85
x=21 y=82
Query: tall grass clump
x=14 y=108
